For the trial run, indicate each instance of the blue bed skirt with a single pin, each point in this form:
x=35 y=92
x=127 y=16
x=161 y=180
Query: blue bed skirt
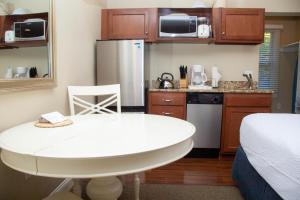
x=250 y=183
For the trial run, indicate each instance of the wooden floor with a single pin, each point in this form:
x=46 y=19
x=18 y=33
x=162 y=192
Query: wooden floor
x=199 y=171
x=203 y=171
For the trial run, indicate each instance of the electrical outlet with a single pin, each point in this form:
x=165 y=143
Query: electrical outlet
x=278 y=106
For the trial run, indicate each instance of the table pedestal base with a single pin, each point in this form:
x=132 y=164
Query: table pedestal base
x=109 y=188
x=137 y=183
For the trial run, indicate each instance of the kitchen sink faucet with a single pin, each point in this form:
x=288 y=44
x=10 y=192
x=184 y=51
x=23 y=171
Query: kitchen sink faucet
x=249 y=80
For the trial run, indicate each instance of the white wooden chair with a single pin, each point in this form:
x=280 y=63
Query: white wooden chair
x=113 y=91
x=75 y=92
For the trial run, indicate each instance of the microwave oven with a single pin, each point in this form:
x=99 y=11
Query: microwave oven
x=30 y=30
x=178 y=26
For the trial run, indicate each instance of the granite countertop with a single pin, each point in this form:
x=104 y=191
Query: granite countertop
x=224 y=87
x=214 y=90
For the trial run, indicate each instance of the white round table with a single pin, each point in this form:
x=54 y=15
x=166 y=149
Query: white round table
x=96 y=146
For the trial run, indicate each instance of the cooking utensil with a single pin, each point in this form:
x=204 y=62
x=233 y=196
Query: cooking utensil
x=166 y=81
x=33 y=72
x=183 y=72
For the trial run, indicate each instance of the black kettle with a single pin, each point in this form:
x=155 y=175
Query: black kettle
x=166 y=81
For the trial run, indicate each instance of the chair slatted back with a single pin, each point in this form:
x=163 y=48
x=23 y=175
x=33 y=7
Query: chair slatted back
x=75 y=92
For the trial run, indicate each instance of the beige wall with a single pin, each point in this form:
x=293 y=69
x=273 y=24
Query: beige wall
x=282 y=6
x=298 y=30
x=77 y=27
x=270 y=5
x=289 y=34
x=33 y=5
x=26 y=57
x=232 y=60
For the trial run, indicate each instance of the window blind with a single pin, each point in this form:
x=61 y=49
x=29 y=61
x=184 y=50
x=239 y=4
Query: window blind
x=269 y=61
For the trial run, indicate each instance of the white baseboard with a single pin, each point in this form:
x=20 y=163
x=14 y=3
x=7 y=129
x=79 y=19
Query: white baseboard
x=65 y=186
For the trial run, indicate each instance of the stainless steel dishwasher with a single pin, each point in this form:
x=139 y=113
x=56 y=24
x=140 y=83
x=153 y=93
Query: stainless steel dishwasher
x=204 y=110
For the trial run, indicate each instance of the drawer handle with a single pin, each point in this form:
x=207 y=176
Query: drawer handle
x=167 y=100
x=167 y=114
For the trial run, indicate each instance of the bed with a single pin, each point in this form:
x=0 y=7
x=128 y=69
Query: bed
x=267 y=165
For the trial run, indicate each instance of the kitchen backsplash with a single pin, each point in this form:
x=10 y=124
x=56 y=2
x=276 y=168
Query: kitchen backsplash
x=232 y=60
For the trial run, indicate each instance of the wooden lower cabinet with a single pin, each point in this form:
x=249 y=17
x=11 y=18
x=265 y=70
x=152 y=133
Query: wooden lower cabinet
x=236 y=107
x=171 y=104
x=172 y=111
x=2 y=18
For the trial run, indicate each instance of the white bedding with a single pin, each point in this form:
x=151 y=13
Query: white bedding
x=272 y=145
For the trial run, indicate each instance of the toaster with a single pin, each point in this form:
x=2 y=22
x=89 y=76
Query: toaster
x=203 y=31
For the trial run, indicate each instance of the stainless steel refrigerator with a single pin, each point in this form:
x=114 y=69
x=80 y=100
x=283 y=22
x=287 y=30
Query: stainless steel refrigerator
x=122 y=62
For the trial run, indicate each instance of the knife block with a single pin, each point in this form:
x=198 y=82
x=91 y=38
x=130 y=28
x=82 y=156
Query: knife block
x=183 y=83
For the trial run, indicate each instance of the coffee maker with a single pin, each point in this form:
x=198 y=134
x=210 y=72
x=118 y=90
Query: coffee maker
x=198 y=76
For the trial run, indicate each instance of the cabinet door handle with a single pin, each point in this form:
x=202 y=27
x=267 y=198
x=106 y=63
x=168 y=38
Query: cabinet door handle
x=223 y=33
x=167 y=114
x=167 y=100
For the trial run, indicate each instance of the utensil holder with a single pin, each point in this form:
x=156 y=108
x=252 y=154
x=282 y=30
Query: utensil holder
x=183 y=83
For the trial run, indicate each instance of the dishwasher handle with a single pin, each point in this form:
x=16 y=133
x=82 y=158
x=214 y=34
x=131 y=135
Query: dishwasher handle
x=204 y=98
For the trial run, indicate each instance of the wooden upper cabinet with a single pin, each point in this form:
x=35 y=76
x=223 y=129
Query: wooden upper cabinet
x=230 y=25
x=239 y=25
x=129 y=24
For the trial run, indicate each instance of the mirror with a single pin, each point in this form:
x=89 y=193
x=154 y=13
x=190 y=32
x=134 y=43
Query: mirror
x=26 y=45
